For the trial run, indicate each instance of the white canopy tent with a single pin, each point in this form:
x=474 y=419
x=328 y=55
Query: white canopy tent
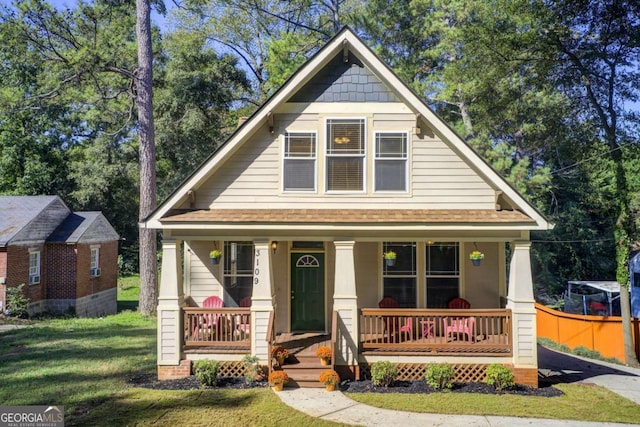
x=592 y=297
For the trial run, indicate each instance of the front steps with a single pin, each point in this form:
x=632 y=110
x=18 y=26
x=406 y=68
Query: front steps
x=303 y=371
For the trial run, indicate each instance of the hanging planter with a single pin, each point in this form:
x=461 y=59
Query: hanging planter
x=215 y=256
x=476 y=258
x=389 y=258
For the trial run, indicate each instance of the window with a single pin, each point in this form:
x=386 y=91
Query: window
x=391 y=161
x=299 y=161
x=345 y=154
x=238 y=271
x=34 y=267
x=95 y=261
x=399 y=280
x=443 y=273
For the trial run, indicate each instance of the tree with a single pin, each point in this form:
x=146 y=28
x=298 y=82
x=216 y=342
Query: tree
x=146 y=134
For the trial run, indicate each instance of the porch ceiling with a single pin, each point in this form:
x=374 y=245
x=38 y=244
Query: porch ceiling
x=350 y=216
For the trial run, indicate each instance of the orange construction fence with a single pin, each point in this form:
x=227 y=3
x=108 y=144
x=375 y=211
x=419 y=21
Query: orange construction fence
x=600 y=333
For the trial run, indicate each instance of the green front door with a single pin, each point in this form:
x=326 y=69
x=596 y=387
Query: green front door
x=307 y=292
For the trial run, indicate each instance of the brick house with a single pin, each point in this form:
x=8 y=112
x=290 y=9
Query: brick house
x=67 y=260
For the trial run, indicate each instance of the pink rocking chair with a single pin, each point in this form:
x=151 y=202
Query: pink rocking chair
x=459 y=326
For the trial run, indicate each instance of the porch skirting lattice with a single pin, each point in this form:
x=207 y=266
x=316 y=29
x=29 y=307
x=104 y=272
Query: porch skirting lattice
x=417 y=371
x=233 y=369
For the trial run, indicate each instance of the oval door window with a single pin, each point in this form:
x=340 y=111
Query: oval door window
x=307 y=261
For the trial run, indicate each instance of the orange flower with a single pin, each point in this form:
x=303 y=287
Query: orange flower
x=329 y=377
x=323 y=352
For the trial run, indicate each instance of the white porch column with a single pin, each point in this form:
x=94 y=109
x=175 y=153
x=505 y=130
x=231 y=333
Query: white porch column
x=521 y=302
x=261 y=300
x=345 y=302
x=170 y=300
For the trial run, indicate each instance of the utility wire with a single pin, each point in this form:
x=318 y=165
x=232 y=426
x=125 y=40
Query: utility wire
x=591 y=158
x=573 y=241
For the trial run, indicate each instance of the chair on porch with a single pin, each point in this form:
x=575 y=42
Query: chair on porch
x=459 y=326
x=243 y=326
x=407 y=328
x=209 y=321
x=459 y=303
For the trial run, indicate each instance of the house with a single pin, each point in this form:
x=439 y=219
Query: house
x=67 y=260
x=342 y=164
x=634 y=274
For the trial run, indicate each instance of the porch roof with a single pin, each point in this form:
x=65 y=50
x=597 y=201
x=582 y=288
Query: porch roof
x=346 y=216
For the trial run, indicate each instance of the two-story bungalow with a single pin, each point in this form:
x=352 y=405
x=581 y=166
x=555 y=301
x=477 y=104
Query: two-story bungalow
x=341 y=165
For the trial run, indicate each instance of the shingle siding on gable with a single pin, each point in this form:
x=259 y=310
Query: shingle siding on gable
x=43 y=225
x=344 y=82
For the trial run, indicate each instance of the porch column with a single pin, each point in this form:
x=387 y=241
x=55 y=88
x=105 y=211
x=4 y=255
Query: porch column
x=521 y=302
x=345 y=302
x=261 y=300
x=170 y=300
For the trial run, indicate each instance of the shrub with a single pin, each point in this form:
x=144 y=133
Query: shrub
x=440 y=376
x=383 y=373
x=17 y=302
x=278 y=377
x=323 y=352
x=206 y=372
x=499 y=376
x=252 y=368
x=329 y=377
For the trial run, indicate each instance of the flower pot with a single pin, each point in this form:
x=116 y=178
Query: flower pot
x=277 y=387
x=390 y=262
x=324 y=361
x=476 y=262
x=215 y=260
x=280 y=360
x=330 y=387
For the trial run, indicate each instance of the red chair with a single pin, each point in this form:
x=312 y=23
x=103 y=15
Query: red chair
x=388 y=302
x=459 y=326
x=242 y=321
x=459 y=303
x=209 y=321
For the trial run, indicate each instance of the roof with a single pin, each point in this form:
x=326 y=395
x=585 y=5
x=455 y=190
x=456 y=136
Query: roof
x=607 y=286
x=340 y=43
x=16 y=212
x=333 y=216
x=83 y=226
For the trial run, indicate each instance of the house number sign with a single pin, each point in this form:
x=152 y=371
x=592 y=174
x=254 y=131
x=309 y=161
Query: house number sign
x=256 y=269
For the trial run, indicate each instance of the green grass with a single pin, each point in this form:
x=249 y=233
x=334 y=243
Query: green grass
x=128 y=292
x=580 y=402
x=578 y=351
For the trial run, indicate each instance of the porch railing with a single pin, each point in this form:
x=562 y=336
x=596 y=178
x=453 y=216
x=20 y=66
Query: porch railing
x=442 y=332
x=211 y=327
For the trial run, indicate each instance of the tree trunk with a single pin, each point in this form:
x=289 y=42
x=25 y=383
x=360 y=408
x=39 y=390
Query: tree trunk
x=631 y=359
x=144 y=99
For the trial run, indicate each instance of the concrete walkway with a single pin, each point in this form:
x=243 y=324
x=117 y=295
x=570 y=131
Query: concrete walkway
x=555 y=367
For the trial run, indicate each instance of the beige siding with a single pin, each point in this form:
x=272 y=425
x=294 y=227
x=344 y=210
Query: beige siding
x=204 y=278
x=368 y=271
x=482 y=288
x=252 y=175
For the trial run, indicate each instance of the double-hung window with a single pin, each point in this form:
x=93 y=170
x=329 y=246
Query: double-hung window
x=443 y=273
x=238 y=271
x=34 y=267
x=95 y=261
x=345 y=155
x=399 y=279
x=299 y=171
x=391 y=161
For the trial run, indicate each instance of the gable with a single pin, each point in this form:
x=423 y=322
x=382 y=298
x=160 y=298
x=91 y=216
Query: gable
x=29 y=219
x=443 y=172
x=84 y=227
x=344 y=81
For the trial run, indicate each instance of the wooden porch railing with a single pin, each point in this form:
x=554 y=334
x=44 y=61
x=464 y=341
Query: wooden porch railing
x=334 y=337
x=444 y=332
x=271 y=340
x=211 y=327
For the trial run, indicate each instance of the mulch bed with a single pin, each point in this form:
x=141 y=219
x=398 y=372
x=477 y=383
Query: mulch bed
x=150 y=381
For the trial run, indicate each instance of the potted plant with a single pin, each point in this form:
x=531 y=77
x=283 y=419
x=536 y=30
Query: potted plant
x=277 y=380
x=324 y=353
x=329 y=378
x=280 y=353
x=475 y=257
x=390 y=258
x=215 y=256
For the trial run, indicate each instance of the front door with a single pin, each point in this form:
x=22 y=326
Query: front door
x=307 y=292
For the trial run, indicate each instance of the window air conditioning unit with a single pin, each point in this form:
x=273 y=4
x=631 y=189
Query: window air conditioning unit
x=95 y=272
x=3 y=280
x=34 y=279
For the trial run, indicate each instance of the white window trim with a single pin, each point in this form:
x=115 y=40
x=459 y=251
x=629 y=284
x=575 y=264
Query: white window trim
x=315 y=163
x=94 y=269
x=406 y=159
x=363 y=155
x=35 y=278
